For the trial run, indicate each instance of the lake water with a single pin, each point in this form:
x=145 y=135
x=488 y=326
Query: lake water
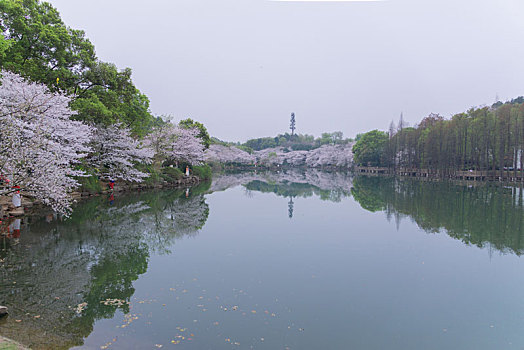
x=273 y=261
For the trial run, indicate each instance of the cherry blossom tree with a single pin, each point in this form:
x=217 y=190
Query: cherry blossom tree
x=187 y=146
x=115 y=153
x=171 y=142
x=39 y=143
x=228 y=155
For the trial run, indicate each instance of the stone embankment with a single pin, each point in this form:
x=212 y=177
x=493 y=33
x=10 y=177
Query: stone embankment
x=327 y=156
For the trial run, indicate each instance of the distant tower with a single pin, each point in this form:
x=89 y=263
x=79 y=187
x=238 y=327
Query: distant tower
x=292 y=124
x=290 y=207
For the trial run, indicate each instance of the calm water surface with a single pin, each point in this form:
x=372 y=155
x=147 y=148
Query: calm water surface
x=288 y=261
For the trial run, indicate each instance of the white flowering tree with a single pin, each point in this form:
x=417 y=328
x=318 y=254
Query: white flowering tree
x=115 y=153
x=170 y=142
x=39 y=143
x=228 y=155
x=187 y=146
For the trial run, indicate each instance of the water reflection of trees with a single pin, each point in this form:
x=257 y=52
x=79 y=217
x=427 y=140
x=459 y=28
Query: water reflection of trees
x=95 y=255
x=330 y=186
x=483 y=215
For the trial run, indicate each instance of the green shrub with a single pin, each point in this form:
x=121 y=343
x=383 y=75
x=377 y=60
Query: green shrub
x=245 y=149
x=202 y=171
x=301 y=147
x=90 y=184
x=154 y=178
x=172 y=174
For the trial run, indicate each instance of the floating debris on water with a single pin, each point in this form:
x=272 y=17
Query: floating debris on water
x=80 y=307
x=114 y=302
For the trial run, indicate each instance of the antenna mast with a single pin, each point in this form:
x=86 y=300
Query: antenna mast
x=292 y=124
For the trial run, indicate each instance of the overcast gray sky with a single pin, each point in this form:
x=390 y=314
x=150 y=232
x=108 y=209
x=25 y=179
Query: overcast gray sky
x=242 y=66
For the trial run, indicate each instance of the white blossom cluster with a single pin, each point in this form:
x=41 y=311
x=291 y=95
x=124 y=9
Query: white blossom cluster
x=332 y=181
x=228 y=155
x=42 y=149
x=115 y=153
x=176 y=143
x=339 y=156
x=39 y=143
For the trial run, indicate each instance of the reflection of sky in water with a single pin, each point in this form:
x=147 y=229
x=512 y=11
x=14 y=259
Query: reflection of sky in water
x=334 y=277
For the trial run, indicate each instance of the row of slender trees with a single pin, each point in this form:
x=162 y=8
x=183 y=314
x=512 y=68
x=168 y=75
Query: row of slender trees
x=486 y=138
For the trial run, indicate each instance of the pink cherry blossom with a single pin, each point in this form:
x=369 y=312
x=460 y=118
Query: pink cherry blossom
x=39 y=143
x=177 y=144
x=115 y=153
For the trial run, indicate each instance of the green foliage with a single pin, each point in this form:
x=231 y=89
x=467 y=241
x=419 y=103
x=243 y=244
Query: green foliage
x=245 y=148
x=112 y=97
x=484 y=215
x=203 y=134
x=261 y=143
x=90 y=184
x=301 y=147
x=203 y=172
x=8 y=346
x=216 y=141
x=200 y=188
x=4 y=45
x=41 y=47
x=296 y=142
x=479 y=139
x=172 y=174
x=155 y=176
x=370 y=147
x=367 y=192
x=293 y=190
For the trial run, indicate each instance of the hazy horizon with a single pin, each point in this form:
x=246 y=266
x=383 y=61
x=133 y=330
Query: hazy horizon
x=242 y=67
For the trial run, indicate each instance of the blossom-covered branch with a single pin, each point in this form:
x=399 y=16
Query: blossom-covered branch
x=174 y=143
x=39 y=143
x=115 y=154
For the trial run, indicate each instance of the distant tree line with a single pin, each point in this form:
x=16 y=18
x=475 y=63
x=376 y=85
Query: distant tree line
x=296 y=142
x=485 y=138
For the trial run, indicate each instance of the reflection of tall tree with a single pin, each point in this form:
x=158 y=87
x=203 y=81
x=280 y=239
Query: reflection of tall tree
x=95 y=255
x=480 y=215
x=294 y=184
x=294 y=189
